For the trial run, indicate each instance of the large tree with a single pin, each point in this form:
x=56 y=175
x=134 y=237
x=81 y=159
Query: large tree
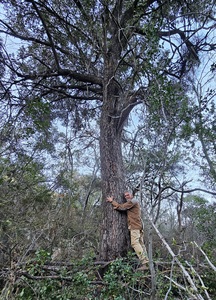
x=96 y=60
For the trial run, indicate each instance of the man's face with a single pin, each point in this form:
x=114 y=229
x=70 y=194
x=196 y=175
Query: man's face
x=128 y=196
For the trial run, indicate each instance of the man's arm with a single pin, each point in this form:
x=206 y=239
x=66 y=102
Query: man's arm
x=124 y=206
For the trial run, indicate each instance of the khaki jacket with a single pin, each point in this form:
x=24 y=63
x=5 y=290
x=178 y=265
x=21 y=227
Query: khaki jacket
x=133 y=213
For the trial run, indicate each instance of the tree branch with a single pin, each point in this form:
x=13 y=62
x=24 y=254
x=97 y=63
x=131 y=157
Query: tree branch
x=47 y=32
x=185 y=272
x=206 y=257
x=62 y=72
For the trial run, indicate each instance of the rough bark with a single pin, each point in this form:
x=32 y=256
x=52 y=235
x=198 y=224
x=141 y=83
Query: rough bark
x=114 y=233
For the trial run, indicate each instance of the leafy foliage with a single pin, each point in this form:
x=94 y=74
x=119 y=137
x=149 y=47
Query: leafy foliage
x=83 y=278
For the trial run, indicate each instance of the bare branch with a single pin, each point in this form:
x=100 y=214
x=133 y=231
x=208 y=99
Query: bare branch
x=206 y=257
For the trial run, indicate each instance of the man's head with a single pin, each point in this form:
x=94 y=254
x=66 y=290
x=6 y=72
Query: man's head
x=128 y=196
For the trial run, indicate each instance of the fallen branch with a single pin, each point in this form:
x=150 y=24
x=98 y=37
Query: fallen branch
x=185 y=272
x=33 y=277
x=200 y=279
x=54 y=277
x=181 y=287
x=206 y=257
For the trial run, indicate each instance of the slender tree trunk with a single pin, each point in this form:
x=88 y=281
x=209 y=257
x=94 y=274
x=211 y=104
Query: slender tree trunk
x=152 y=270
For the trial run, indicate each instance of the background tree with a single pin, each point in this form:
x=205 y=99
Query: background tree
x=202 y=129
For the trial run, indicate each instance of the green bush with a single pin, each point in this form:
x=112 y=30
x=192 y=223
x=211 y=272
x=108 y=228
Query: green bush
x=81 y=281
x=84 y=279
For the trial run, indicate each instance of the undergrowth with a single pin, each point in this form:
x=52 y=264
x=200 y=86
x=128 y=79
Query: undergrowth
x=87 y=279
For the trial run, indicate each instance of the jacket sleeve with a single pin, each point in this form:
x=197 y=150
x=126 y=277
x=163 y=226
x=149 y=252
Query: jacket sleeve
x=124 y=206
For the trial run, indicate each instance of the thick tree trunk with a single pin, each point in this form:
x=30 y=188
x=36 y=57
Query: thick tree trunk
x=114 y=240
x=114 y=231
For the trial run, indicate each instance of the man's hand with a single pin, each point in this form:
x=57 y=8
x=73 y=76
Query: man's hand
x=109 y=199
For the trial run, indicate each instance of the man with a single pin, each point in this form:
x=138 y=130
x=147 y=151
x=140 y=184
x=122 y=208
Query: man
x=134 y=225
